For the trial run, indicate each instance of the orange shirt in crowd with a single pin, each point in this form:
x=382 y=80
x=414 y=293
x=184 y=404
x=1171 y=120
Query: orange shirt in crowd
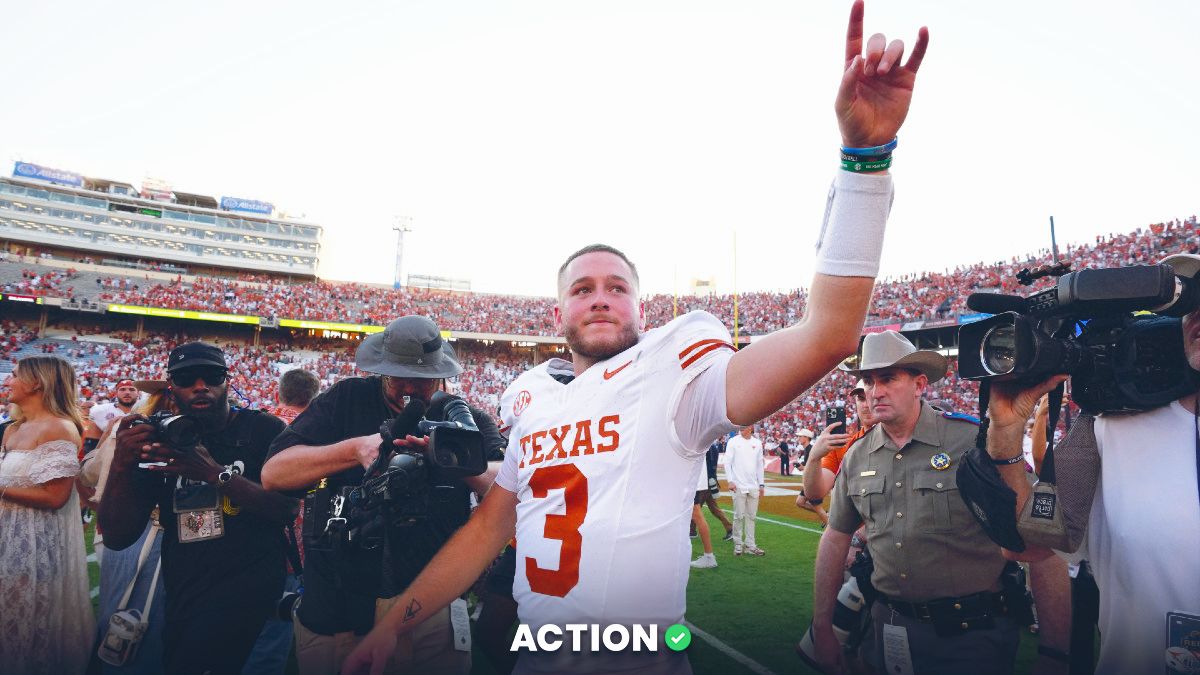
x=833 y=460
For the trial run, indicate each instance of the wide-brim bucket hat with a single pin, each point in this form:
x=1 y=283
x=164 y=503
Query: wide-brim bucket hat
x=411 y=346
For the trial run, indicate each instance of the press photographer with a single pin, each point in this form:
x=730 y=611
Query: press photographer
x=223 y=547
x=411 y=497
x=1126 y=477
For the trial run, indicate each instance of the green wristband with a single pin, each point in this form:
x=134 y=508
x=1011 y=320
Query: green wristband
x=861 y=166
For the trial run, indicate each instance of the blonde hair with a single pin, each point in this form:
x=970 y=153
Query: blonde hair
x=159 y=400
x=56 y=378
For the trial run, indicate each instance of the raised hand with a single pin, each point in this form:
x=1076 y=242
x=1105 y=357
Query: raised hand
x=876 y=89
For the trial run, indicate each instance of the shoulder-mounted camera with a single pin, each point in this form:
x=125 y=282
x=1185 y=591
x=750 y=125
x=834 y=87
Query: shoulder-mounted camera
x=402 y=483
x=1117 y=332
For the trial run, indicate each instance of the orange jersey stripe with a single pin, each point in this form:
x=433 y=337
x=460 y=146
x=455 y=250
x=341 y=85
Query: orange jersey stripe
x=683 y=354
x=717 y=344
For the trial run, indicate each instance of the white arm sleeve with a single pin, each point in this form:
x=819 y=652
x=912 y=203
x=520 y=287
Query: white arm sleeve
x=851 y=238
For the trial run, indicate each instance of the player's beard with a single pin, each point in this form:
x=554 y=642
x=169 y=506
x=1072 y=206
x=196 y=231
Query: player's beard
x=599 y=349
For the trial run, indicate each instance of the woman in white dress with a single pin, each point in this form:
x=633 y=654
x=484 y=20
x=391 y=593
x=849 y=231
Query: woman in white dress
x=46 y=621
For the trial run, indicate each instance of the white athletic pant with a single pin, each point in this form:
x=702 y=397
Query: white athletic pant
x=745 y=509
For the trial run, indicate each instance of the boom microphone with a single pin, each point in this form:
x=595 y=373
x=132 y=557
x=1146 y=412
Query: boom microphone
x=404 y=424
x=997 y=303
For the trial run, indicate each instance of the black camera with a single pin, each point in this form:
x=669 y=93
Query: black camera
x=178 y=431
x=1115 y=331
x=400 y=486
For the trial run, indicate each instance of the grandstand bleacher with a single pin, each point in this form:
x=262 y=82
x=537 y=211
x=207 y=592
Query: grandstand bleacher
x=497 y=336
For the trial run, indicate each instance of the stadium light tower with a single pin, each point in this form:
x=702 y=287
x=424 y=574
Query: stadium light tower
x=402 y=225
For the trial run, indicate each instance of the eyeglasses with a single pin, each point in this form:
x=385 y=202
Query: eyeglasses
x=213 y=377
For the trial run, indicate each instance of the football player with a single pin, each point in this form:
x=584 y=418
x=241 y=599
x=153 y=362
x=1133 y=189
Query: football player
x=604 y=452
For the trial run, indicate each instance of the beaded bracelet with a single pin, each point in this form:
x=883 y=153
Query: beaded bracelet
x=863 y=166
x=876 y=151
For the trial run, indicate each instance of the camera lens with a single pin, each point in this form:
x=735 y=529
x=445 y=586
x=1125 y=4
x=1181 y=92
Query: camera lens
x=998 y=350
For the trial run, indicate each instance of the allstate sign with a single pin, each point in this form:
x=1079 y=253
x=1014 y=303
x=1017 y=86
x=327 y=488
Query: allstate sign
x=248 y=205
x=27 y=170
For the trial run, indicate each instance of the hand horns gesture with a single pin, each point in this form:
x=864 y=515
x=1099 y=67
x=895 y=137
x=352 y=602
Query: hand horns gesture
x=876 y=90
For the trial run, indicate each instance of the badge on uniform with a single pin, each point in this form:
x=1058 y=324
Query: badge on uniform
x=1183 y=642
x=940 y=461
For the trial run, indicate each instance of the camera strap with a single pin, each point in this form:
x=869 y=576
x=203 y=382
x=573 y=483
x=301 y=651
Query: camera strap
x=1056 y=398
x=985 y=394
x=293 y=549
x=155 y=529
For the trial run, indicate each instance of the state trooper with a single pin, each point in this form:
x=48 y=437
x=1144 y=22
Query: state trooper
x=942 y=605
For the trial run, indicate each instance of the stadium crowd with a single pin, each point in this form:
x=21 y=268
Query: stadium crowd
x=922 y=296
x=490 y=368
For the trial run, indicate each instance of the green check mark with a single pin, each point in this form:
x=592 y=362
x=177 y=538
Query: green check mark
x=678 y=637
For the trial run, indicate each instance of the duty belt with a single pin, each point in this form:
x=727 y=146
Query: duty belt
x=952 y=616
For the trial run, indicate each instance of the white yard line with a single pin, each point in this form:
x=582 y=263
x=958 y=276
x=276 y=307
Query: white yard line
x=780 y=522
x=750 y=664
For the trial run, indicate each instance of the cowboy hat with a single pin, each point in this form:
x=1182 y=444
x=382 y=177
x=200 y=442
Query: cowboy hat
x=151 y=386
x=1184 y=264
x=890 y=349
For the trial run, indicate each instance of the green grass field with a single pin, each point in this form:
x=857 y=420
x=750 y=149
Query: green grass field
x=756 y=607
x=761 y=606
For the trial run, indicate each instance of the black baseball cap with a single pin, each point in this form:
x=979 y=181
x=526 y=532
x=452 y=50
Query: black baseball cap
x=196 y=355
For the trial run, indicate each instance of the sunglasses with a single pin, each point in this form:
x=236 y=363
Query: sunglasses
x=213 y=377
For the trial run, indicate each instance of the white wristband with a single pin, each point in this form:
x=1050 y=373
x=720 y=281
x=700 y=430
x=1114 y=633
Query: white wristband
x=851 y=238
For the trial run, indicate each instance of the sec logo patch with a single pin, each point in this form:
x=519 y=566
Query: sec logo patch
x=522 y=402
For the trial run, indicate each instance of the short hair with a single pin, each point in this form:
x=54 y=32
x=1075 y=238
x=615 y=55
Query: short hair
x=598 y=248
x=298 y=387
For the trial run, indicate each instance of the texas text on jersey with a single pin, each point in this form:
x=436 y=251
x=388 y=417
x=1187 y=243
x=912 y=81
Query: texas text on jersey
x=605 y=480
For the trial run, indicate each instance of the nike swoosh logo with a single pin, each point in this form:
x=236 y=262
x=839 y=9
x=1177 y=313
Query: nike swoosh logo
x=608 y=374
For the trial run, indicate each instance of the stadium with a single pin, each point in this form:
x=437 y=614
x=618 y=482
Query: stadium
x=112 y=278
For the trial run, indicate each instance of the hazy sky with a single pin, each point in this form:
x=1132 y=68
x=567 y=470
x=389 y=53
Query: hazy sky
x=512 y=133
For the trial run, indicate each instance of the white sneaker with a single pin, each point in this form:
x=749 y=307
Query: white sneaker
x=737 y=549
x=705 y=561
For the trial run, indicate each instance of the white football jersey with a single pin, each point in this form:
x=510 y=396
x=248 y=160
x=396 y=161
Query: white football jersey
x=604 y=482
x=104 y=414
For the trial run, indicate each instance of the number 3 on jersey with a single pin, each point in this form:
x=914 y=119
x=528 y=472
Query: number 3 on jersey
x=564 y=527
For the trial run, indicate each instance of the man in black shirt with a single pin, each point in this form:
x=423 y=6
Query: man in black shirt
x=223 y=547
x=785 y=459
x=335 y=440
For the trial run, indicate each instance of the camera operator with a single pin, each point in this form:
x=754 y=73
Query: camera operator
x=1149 y=602
x=223 y=546
x=333 y=442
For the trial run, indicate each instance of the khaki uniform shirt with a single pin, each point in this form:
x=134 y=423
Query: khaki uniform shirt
x=925 y=542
